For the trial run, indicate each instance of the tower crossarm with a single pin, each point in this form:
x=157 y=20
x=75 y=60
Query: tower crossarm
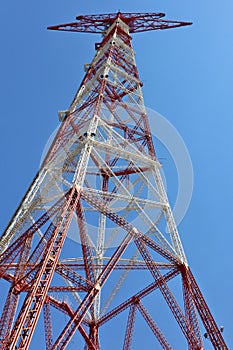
x=137 y=22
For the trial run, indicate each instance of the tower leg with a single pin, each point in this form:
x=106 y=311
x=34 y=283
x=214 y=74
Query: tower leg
x=48 y=326
x=211 y=327
x=94 y=336
x=7 y=317
x=190 y=310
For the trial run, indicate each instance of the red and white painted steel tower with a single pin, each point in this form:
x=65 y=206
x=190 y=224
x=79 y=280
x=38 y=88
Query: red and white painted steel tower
x=92 y=256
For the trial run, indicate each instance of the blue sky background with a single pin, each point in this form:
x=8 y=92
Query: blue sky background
x=188 y=78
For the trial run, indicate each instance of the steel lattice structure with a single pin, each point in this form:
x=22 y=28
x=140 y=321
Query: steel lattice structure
x=92 y=225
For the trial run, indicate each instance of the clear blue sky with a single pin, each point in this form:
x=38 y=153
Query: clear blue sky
x=188 y=77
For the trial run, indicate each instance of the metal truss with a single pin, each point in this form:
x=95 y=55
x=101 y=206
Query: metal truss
x=87 y=249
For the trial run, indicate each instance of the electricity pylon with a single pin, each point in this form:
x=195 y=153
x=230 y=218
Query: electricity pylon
x=88 y=244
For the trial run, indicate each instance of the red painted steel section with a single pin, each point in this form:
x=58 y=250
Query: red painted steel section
x=168 y=296
x=155 y=329
x=190 y=310
x=48 y=325
x=80 y=313
x=213 y=331
x=143 y=293
x=130 y=327
x=27 y=319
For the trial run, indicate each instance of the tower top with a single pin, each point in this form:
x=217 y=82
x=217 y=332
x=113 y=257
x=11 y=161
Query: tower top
x=137 y=22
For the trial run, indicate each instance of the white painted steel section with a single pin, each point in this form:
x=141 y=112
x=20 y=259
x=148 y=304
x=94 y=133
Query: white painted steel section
x=9 y=234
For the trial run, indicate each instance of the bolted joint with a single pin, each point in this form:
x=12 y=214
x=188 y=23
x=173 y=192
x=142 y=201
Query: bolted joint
x=135 y=300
